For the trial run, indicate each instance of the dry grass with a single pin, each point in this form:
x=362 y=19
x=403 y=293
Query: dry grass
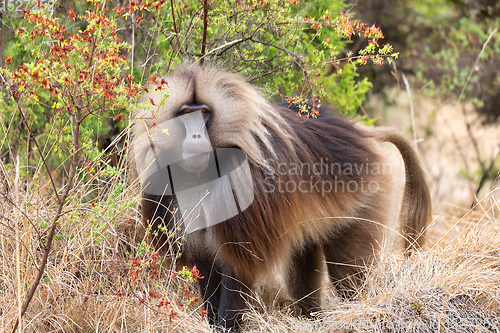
x=454 y=285
x=88 y=265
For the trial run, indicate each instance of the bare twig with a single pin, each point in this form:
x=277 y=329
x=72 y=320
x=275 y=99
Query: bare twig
x=475 y=63
x=296 y=57
x=275 y=70
x=367 y=56
x=227 y=46
x=412 y=114
x=132 y=50
x=175 y=27
x=205 y=27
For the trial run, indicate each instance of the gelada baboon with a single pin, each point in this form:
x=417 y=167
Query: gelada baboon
x=254 y=186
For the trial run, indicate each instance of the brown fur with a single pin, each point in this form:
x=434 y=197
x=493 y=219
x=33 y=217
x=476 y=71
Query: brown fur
x=298 y=228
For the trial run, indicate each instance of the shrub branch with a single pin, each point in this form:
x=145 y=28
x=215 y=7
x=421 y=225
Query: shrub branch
x=75 y=134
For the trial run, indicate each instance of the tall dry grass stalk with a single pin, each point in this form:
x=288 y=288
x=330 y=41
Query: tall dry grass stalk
x=17 y=241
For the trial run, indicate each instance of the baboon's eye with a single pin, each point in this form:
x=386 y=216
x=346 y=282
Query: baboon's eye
x=187 y=109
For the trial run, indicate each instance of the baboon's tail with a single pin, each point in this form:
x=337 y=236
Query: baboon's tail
x=417 y=208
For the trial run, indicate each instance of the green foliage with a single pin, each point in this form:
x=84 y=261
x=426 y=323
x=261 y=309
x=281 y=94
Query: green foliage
x=464 y=40
x=53 y=58
x=64 y=69
x=106 y=212
x=457 y=62
x=283 y=46
x=345 y=92
x=142 y=249
x=478 y=172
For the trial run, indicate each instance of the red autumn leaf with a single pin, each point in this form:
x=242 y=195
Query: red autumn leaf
x=120 y=116
x=195 y=273
x=171 y=315
x=72 y=14
x=154 y=273
x=119 y=293
x=135 y=274
x=152 y=79
x=203 y=314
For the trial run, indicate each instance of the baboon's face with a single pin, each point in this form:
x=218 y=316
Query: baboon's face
x=193 y=137
x=197 y=111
